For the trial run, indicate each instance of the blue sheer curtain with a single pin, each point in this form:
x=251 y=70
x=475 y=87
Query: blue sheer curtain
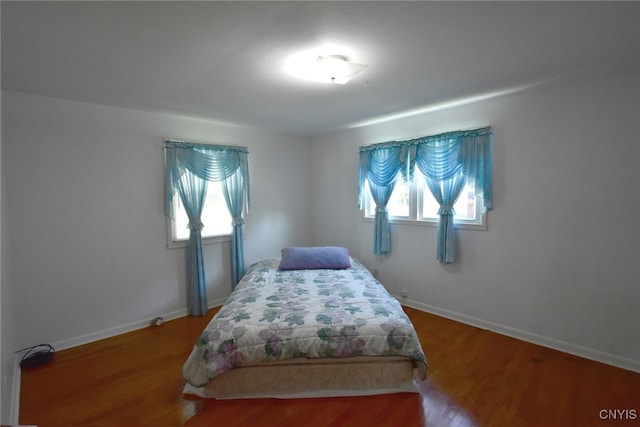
x=446 y=194
x=380 y=168
x=438 y=162
x=193 y=191
x=475 y=156
x=233 y=194
x=382 y=230
x=188 y=168
x=447 y=161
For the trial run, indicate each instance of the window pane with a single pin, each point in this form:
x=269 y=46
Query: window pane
x=215 y=215
x=465 y=206
x=398 y=204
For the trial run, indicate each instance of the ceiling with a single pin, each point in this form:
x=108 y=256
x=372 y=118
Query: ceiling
x=224 y=60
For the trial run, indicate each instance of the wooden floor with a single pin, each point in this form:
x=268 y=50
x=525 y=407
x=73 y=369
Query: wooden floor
x=476 y=378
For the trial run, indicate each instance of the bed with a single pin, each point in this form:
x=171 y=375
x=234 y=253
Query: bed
x=329 y=329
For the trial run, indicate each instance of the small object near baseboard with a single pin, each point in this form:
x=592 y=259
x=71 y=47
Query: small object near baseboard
x=36 y=355
x=157 y=321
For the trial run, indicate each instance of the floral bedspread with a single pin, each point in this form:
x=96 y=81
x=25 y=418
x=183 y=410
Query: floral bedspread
x=278 y=315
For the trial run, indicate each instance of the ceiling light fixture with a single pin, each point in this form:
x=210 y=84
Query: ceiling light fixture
x=337 y=69
x=323 y=68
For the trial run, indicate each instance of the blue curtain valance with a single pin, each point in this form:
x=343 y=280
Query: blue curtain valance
x=447 y=160
x=206 y=161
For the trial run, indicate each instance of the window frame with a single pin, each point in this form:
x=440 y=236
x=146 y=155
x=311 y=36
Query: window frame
x=416 y=194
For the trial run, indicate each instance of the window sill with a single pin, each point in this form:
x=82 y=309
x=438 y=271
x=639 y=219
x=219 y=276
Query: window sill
x=432 y=224
x=171 y=244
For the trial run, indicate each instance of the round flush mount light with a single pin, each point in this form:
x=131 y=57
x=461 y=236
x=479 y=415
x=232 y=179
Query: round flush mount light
x=323 y=66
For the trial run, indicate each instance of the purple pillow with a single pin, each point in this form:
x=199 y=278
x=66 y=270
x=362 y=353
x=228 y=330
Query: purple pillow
x=311 y=258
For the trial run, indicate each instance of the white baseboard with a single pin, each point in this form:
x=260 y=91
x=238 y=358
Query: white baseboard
x=118 y=330
x=577 y=350
x=588 y=353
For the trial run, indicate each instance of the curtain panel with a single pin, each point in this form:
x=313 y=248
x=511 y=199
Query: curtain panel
x=188 y=168
x=380 y=168
x=447 y=161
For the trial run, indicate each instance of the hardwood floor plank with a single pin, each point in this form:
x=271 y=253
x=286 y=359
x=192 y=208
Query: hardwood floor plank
x=475 y=378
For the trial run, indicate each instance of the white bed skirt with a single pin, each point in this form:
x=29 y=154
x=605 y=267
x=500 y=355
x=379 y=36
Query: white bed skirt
x=303 y=378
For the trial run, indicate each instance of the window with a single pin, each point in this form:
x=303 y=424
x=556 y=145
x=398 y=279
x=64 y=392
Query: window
x=215 y=217
x=414 y=203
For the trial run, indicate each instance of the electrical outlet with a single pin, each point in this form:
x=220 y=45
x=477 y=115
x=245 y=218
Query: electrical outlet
x=404 y=293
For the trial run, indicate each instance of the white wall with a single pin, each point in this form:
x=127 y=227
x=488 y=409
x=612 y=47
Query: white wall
x=85 y=233
x=7 y=336
x=559 y=264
